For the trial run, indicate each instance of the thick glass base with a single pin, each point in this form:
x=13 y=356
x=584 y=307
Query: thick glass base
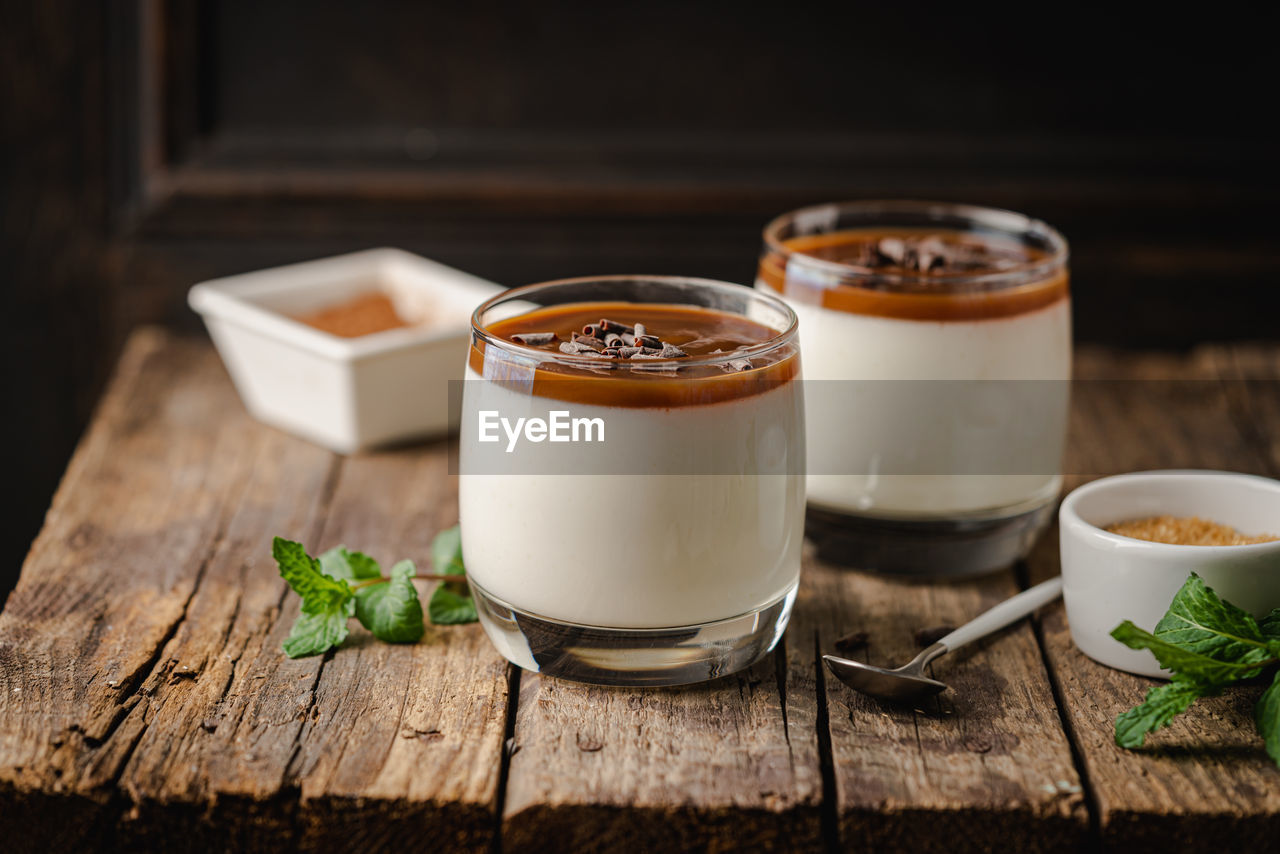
x=933 y=548
x=630 y=657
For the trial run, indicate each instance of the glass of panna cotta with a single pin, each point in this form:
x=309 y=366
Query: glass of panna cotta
x=937 y=341
x=631 y=489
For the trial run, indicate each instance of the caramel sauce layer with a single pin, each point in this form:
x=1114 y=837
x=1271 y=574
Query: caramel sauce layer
x=651 y=384
x=927 y=295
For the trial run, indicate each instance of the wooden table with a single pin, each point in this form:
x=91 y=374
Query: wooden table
x=145 y=703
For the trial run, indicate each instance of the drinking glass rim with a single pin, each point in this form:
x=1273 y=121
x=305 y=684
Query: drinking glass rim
x=1001 y=220
x=780 y=339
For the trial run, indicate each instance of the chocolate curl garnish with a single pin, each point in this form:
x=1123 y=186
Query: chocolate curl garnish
x=573 y=348
x=932 y=634
x=671 y=351
x=931 y=254
x=893 y=250
x=741 y=364
x=534 y=339
x=612 y=339
x=662 y=364
x=639 y=330
x=628 y=339
x=608 y=326
x=628 y=352
x=851 y=642
x=592 y=330
x=587 y=341
x=647 y=340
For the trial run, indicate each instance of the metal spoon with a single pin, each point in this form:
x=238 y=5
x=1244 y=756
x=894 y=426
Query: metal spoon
x=908 y=683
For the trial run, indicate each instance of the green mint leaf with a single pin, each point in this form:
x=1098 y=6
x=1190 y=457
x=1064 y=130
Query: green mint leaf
x=313 y=634
x=1267 y=716
x=446 y=552
x=1200 y=622
x=1183 y=661
x=349 y=566
x=303 y=574
x=392 y=610
x=1270 y=625
x=451 y=602
x=448 y=607
x=326 y=602
x=1163 y=703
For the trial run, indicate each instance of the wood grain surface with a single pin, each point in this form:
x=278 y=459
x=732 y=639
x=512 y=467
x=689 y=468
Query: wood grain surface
x=1205 y=777
x=145 y=703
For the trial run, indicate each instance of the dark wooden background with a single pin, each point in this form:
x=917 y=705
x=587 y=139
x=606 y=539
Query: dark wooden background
x=147 y=145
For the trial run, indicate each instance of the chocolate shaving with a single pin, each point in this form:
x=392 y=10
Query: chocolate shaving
x=929 y=254
x=933 y=634
x=608 y=326
x=534 y=339
x=740 y=364
x=610 y=340
x=851 y=642
x=663 y=364
x=893 y=250
x=587 y=341
x=573 y=348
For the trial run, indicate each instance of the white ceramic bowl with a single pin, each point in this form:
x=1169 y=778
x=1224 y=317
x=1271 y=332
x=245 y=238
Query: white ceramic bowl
x=346 y=394
x=1108 y=579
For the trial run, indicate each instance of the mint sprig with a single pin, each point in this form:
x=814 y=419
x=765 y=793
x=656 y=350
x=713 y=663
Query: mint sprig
x=1207 y=643
x=451 y=603
x=341 y=584
x=327 y=602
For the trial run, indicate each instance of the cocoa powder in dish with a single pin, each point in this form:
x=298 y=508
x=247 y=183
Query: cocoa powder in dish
x=362 y=315
x=1186 y=531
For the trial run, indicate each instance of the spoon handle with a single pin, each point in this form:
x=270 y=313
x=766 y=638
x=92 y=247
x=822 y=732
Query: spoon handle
x=1009 y=611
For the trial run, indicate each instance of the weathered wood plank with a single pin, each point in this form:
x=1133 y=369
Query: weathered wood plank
x=225 y=707
x=984 y=766
x=715 y=767
x=147 y=702
x=109 y=580
x=404 y=744
x=1205 y=779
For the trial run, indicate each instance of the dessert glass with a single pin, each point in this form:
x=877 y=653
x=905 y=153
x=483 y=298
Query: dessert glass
x=937 y=399
x=669 y=551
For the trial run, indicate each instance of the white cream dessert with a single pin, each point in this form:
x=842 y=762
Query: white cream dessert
x=940 y=448
x=689 y=511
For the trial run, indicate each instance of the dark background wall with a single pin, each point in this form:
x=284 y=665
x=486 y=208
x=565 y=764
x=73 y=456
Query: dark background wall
x=147 y=145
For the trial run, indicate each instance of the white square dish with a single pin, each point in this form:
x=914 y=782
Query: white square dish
x=347 y=394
